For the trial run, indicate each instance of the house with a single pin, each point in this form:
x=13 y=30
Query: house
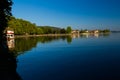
x=75 y=32
x=96 y=31
x=9 y=34
x=86 y=31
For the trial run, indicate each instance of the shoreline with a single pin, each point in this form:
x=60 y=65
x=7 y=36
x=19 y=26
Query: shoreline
x=17 y=36
x=20 y=36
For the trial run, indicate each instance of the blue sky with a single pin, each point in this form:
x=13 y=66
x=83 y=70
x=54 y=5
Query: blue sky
x=80 y=14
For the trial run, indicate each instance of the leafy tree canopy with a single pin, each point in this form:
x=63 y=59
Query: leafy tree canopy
x=69 y=29
x=24 y=27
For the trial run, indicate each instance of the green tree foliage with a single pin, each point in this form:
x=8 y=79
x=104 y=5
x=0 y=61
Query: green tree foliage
x=83 y=30
x=50 y=30
x=5 y=12
x=106 y=31
x=62 y=31
x=69 y=29
x=23 y=27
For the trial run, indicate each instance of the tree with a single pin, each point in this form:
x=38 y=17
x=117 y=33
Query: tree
x=69 y=29
x=63 y=31
x=106 y=31
x=5 y=12
x=8 y=62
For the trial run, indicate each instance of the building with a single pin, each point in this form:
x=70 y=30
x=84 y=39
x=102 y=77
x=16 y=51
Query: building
x=96 y=31
x=9 y=34
x=75 y=32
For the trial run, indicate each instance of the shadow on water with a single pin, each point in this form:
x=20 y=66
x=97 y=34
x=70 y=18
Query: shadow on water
x=8 y=63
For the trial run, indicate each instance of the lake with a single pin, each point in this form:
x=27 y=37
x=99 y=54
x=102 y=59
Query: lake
x=77 y=57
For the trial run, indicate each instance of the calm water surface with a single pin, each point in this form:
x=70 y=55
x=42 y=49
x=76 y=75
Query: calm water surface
x=85 y=57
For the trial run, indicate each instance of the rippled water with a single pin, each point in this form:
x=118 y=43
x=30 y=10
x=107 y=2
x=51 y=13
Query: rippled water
x=84 y=57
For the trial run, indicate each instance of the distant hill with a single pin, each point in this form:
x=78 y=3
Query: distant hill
x=115 y=31
x=52 y=30
x=52 y=27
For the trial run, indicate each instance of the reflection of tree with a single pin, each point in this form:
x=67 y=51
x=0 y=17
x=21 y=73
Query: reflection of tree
x=63 y=37
x=26 y=44
x=106 y=34
x=47 y=39
x=69 y=39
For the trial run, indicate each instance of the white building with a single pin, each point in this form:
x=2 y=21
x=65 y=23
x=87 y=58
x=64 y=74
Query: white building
x=9 y=34
x=96 y=31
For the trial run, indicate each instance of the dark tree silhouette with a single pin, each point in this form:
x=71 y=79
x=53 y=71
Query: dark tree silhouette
x=5 y=12
x=8 y=63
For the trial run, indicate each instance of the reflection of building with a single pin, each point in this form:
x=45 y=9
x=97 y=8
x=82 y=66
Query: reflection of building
x=86 y=35
x=75 y=35
x=96 y=35
x=96 y=31
x=11 y=43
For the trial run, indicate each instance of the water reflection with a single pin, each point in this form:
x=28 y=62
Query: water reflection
x=69 y=39
x=11 y=43
x=8 y=62
x=87 y=35
x=75 y=35
x=26 y=44
x=20 y=45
